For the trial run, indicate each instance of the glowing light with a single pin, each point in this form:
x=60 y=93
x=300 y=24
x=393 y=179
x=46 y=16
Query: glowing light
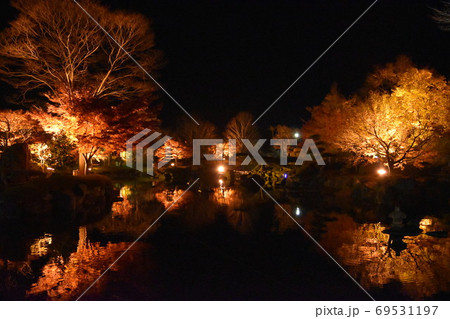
x=426 y=222
x=221 y=182
x=285 y=175
x=297 y=211
x=382 y=171
x=40 y=245
x=172 y=164
x=221 y=169
x=296 y=134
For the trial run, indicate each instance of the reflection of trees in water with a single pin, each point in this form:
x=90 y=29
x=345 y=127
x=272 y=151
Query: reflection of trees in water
x=243 y=211
x=282 y=221
x=421 y=268
x=126 y=206
x=199 y=211
x=241 y=220
x=173 y=197
x=66 y=278
x=138 y=209
x=40 y=245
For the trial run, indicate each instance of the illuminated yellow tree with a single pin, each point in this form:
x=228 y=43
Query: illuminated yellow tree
x=42 y=154
x=397 y=118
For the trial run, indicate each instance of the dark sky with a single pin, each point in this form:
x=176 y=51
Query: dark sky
x=227 y=56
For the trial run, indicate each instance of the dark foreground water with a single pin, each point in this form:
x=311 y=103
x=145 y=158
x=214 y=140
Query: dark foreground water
x=225 y=245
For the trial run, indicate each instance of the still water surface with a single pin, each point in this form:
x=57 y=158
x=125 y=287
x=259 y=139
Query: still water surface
x=224 y=245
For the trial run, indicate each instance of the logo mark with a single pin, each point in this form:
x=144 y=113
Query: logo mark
x=140 y=144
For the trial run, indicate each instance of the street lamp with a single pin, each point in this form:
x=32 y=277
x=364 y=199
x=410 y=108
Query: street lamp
x=296 y=134
x=221 y=169
x=382 y=171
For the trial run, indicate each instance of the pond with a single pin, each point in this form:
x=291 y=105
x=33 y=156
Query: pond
x=227 y=244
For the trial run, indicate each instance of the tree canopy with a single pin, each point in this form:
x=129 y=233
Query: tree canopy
x=397 y=117
x=92 y=91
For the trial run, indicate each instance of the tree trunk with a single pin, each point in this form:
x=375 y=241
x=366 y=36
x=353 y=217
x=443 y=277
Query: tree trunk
x=83 y=164
x=390 y=163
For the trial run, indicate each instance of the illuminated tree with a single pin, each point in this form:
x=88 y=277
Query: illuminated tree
x=54 y=50
x=240 y=127
x=58 y=152
x=96 y=126
x=397 y=118
x=17 y=127
x=327 y=118
x=42 y=153
x=62 y=151
x=174 y=150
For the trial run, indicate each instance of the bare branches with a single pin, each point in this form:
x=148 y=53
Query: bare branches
x=17 y=127
x=240 y=127
x=442 y=16
x=55 y=48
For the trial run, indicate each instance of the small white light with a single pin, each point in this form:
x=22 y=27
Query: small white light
x=382 y=171
x=221 y=169
x=297 y=211
x=172 y=164
x=296 y=135
x=221 y=182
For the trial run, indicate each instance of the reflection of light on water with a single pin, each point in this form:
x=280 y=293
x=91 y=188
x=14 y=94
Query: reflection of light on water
x=65 y=278
x=425 y=222
x=224 y=196
x=174 y=198
x=40 y=245
x=420 y=263
x=125 y=191
x=431 y=224
x=125 y=207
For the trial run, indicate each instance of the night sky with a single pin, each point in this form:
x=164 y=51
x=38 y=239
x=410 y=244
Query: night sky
x=227 y=56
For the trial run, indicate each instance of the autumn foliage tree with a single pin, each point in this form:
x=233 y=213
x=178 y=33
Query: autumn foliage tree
x=17 y=127
x=173 y=149
x=53 y=50
x=397 y=117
